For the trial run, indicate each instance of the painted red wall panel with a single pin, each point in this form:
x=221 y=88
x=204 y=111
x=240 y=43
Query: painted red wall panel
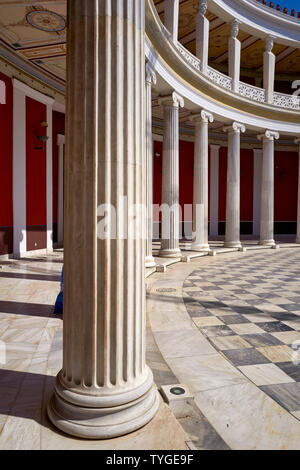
x=247 y=169
x=58 y=127
x=222 y=182
x=285 y=186
x=6 y=155
x=35 y=164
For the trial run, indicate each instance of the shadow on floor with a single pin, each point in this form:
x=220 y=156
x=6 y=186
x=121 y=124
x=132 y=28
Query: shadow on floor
x=22 y=308
x=32 y=277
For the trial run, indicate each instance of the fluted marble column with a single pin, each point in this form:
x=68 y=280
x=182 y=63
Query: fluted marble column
x=297 y=141
x=269 y=69
x=267 y=188
x=150 y=78
x=202 y=34
x=105 y=388
x=200 y=195
x=234 y=55
x=232 y=234
x=170 y=177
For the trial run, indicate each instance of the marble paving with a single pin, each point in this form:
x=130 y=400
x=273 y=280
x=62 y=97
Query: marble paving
x=234 y=340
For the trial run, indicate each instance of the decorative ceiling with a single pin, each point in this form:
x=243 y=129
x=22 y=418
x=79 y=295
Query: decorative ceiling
x=35 y=32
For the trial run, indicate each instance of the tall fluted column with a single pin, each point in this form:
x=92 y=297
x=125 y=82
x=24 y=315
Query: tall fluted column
x=269 y=69
x=297 y=141
x=105 y=388
x=150 y=78
x=202 y=34
x=234 y=55
x=232 y=234
x=172 y=17
x=200 y=195
x=170 y=177
x=267 y=188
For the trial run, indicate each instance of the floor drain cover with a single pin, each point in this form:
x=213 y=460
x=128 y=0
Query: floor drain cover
x=177 y=390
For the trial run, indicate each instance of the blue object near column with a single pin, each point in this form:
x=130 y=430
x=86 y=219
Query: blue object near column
x=58 y=309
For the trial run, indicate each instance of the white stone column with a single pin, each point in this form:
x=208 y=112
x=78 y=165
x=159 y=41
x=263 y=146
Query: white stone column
x=202 y=34
x=49 y=179
x=60 y=208
x=269 y=69
x=19 y=170
x=172 y=17
x=297 y=141
x=105 y=388
x=232 y=234
x=200 y=194
x=257 y=171
x=170 y=177
x=150 y=78
x=214 y=191
x=267 y=188
x=234 y=55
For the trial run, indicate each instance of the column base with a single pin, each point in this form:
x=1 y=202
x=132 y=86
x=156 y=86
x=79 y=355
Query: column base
x=234 y=244
x=270 y=242
x=167 y=253
x=297 y=240
x=91 y=422
x=150 y=262
x=200 y=247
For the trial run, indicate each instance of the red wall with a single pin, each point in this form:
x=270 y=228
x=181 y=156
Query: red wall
x=6 y=162
x=58 y=127
x=286 y=186
x=36 y=208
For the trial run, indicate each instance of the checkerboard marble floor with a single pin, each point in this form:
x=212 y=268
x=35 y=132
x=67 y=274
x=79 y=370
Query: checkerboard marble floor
x=249 y=310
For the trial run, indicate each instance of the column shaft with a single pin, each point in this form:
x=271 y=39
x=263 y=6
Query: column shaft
x=104 y=388
x=202 y=35
x=234 y=56
x=49 y=185
x=267 y=189
x=232 y=234
x=269 y=70
x=172 y=17
x=150 y=77
x=170 y=178
x=200 y=195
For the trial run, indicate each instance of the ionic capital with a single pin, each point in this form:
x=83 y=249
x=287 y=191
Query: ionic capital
x=202 y=7
x=235 y=26
x=150 y=74
x=269 y=43
x=235 y=127
x=172 y=100
x=203 y=116
x=269 y=135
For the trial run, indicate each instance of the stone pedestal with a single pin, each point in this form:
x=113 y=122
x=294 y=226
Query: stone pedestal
x=105 y=388
x=170 y=177
x=150 y=78
x=200 y=195
x=234 y=56
x=297 y=141
x=269 y=70
x=202 y=34
x=232 y=234
x=267 y=189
